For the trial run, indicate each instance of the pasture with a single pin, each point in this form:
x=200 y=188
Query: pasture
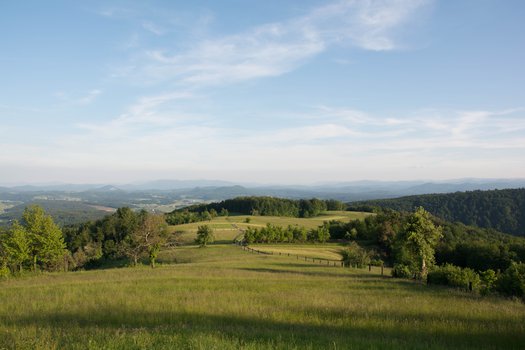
x=222 y=297
x=228 y=228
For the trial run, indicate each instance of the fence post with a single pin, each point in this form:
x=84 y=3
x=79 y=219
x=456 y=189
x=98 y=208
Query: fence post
x=381 y=269
x=470 y=286
x=369 y=267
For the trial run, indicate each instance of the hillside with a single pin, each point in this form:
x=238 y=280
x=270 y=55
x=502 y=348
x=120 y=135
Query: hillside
x=222 y=297
x=63 y=212
x=502 y=210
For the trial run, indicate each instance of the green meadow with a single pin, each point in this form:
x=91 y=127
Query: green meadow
x=227 y=228
x=223 y=297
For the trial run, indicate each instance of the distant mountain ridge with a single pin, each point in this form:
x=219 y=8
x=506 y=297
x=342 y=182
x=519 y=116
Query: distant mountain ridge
x=345 y=191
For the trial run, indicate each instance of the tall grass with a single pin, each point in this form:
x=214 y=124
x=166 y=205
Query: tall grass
x=221 y=297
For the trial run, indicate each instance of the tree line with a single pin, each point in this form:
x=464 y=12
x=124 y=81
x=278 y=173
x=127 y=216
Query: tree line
x=290 y=234
x=36 y=243
x=267 y=206
x=502 y=210
x=419 y=245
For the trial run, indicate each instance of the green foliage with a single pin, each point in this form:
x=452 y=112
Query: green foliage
x=146 y=238
x=46 y=240
x=16 y=246
x=183 y=217
x=402 y=271
x=488 y=281
x=454 y=276
x=38 y=240
x=502 y=210
x=320 y=234
x=332 y=204
x=356 y=256
x=419 y=238
x=512 y=281
x=204 y=235
x=124 y=234
x=264 y=206
x=290 y=234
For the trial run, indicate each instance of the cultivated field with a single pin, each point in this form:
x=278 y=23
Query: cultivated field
x=222 y=297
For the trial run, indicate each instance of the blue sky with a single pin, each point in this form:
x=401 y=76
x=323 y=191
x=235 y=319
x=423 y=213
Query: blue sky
x=261 y=91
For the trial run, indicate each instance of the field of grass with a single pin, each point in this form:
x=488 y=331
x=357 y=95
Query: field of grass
x=227 y=228
x=221 y=297
x=331 y=251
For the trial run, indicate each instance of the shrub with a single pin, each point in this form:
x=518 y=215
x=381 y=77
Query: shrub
x=204 y=235
x=402 y=271
x=512 y=281
x=356 y=256
x=488 y=281
x=454 y=276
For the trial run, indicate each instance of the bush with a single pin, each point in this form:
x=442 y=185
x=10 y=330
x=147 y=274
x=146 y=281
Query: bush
x=454 y=276
x=512 y=281
x=204 y=235
x=356 y=256
x=488 y=281
x=402 y=271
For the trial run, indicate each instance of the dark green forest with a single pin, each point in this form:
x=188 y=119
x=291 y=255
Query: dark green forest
x=502 y=210
x=267 y=206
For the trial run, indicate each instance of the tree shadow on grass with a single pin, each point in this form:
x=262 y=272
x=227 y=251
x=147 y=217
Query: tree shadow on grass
x=295 y=272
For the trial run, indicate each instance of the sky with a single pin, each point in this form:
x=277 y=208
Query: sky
x=288 y=92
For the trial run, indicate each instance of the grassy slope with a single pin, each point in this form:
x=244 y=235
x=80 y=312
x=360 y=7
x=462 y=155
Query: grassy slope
x=227 y=228
x=331 y=251
x=221 y=297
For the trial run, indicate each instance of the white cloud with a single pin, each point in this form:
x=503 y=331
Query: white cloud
x=276 y=48
x=374 y=147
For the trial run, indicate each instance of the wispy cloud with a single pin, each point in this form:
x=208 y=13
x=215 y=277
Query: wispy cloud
x=78 y=99
x=277 y=48
x=153 y=28
x=148 y=112
x=153 y=138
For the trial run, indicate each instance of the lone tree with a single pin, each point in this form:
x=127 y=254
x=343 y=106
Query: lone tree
x=146 y=238
x=204 y=235
x=46 y=242
x=418 y=240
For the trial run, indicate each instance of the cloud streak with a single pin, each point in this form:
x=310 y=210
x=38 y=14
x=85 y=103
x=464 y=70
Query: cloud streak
x=274 y=49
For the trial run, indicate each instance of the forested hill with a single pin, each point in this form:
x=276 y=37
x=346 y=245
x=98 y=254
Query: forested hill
x=269 y=206
x=503 y=210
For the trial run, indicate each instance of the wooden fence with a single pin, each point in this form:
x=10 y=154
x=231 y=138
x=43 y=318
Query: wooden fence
x=321 y=261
